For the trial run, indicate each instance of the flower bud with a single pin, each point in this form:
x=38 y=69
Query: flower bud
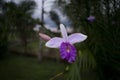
x=44 y=37
x=91 y=18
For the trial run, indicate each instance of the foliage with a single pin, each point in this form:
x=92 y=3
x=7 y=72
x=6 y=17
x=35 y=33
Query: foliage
x=102 y=46
x=54 y=16
x=3 y=31
x=16 y=21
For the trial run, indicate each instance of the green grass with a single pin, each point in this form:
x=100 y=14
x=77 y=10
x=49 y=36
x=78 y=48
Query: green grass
x=28 y=68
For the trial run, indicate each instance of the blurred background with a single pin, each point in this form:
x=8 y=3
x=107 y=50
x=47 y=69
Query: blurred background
x=23 y=55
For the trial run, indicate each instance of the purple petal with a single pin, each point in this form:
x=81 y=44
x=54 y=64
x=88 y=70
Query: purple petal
x=63 y=31
x=76 y=37
x=54 y=42
x=68 y=52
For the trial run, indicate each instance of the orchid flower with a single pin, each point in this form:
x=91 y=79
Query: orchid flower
x=91 y=18
x=65 y=44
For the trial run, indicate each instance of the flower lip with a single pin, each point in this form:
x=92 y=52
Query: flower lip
x=68 y=52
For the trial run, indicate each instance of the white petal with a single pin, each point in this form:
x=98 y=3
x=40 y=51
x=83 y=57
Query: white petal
x=63 y=31
x=54 y=42
x=76 y=37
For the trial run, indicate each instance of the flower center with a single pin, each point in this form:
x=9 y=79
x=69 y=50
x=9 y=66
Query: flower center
x=68 y=49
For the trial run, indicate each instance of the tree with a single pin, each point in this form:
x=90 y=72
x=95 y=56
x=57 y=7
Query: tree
x=4 y=29
x=24 y=22
x=18 y=21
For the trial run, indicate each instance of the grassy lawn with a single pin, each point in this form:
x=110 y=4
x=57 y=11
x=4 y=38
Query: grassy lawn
x=28 y=68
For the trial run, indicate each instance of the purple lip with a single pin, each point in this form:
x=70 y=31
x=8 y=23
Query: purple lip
x=68 y=52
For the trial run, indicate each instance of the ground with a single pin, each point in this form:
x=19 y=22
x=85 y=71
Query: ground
x=28 y=68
